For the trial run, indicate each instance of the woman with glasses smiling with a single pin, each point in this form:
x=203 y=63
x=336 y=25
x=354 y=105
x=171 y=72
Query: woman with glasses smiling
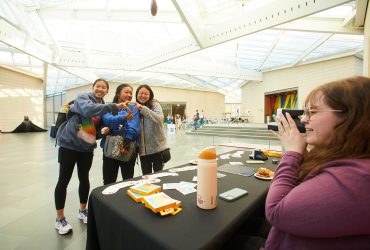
x=320 y=198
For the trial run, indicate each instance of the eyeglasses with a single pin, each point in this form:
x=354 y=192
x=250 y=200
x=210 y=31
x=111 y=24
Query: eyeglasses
x=309 y=111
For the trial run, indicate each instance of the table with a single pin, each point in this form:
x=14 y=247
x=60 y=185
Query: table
x=117 y=222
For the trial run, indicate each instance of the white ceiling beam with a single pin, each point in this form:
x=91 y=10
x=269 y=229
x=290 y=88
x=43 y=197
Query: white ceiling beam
x=277 y=13
x=271 y=15
x=202 y=70
x=321 y=59
x=81 y=60
x=196 y=31
x=111 y=15
x=320 y=25
x=311 y=49
x=196 y=81
x=273 y=45
x=80 y=73
x=349 y=19
x=18 y=39
x=361 y=7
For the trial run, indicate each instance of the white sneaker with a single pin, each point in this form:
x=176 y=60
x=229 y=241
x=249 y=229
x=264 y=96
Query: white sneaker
x=63 y=226
x=82 y=215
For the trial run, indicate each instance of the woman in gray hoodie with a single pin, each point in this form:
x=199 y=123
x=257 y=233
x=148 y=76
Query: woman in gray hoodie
x=76 y=138
x=152 y=137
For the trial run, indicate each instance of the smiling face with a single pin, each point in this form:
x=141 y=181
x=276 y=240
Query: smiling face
x=125 y=95
x=320 y=125
x=100 y=89
x=143 y=95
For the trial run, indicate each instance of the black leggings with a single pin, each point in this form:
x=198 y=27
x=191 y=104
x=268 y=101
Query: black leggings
x=67 y=159
x=111 y=166
x=151 y=163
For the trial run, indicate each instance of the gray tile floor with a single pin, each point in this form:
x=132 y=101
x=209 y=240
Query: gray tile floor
x=28 y=174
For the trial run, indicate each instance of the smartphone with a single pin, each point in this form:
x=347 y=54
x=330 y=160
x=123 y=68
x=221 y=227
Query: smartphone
x=233 y=194
x=294 y=113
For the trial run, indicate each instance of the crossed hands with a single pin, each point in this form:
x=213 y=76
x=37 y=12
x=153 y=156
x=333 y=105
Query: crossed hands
x=289 y=135
x=123 y=105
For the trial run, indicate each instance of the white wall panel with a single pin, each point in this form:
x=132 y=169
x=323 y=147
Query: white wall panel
x=304 y=78
x=20 y=95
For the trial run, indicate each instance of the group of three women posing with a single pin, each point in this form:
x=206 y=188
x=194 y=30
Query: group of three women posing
x=90 y=118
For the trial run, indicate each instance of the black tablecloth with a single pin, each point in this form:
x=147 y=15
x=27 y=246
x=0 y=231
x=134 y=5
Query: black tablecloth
x=117 y=222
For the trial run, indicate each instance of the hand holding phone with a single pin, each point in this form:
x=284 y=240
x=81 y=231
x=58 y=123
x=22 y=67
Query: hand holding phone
x=233 y=194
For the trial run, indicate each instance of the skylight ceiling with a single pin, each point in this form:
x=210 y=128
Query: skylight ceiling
x=196 y=44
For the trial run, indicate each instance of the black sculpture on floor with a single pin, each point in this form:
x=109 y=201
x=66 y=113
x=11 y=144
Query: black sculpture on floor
x=27 y=126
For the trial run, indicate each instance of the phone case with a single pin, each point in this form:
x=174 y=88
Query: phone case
x=233 y=194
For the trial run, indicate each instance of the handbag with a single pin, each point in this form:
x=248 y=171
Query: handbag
x=113 y=148
x=166 y=155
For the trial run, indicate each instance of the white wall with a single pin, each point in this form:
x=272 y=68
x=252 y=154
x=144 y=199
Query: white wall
x=20 y=95
x=304 y=78
x=213 y=104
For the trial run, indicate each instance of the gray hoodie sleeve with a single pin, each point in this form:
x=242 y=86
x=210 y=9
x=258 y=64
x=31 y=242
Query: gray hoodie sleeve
x=155 y=114
x=86 y=107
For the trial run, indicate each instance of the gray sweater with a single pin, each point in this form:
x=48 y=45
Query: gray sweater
x=152 y=136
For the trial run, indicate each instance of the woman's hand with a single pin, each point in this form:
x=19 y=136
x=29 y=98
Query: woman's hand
x=129 y=115
x=121 y=105
x=289 y=135
x=105 y=130
x=139 y=106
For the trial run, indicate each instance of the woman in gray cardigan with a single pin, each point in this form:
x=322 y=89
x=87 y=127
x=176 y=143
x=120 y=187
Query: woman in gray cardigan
x=152 y=137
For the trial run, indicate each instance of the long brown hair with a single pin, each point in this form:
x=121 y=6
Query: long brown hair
x=350 y=138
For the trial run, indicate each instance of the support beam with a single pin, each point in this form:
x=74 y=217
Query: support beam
x=311 y=49
x=277 y=13
x=273 y=45
x=196 y=81
x=320 y=25
x=361 y=7
x=17 y=39
x=111 y=15
x=192 y=24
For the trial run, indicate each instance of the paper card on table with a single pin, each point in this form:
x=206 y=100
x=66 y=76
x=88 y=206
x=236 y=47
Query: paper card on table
x=255 y=161
x=186 y=183
x=186 y=189
x=236 y=155
x=170 y=185
x=236 y=163
x=219 y=175
x=225 y=156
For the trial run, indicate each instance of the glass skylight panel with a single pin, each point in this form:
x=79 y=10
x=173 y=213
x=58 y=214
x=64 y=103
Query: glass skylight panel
x=6 y=12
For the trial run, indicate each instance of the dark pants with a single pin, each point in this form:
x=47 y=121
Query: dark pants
x=67 y=159
x=151 y=163
x=111 y=166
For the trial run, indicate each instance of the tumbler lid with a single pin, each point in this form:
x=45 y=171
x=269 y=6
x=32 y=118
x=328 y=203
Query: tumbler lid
x=208 y=153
